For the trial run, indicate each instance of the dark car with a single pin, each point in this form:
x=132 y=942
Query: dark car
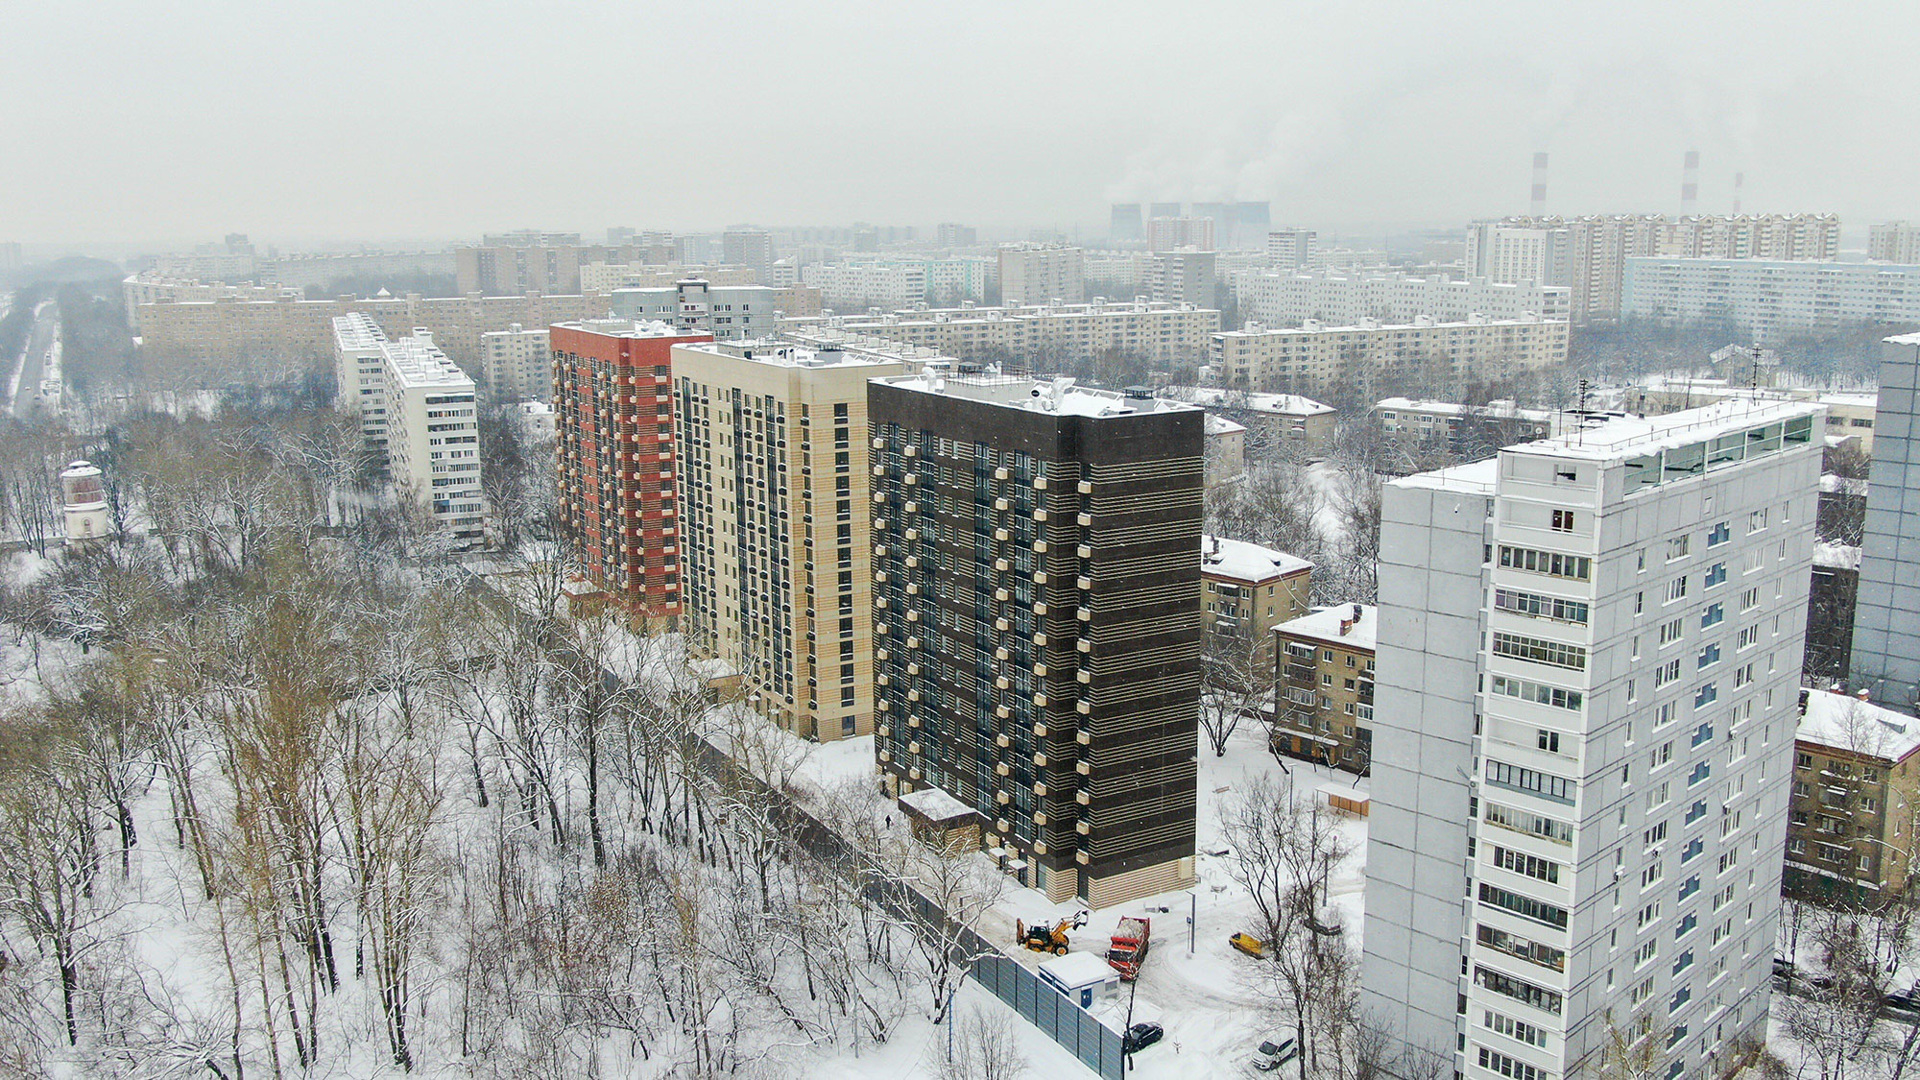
x=1141 y=1036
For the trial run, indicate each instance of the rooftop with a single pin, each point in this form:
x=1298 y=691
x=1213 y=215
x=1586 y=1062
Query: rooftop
x=1247 y=562
x=1504 y=408
x=1060 y=396
x=630 y=328
x=417 y=361
x=786 y=354
x=1475 y=477
x=1634 y=436
x=1220 y=425
x=1325 y=624
x=1844 y=722
x=1280 y=404
x=1254 y=330
x=357 y=332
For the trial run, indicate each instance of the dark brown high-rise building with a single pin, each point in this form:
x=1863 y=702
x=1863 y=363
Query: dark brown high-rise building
x=1037 y=620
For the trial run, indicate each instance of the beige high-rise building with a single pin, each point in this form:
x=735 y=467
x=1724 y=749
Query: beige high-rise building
x=516 y=364
x=1895 y=242
x=1041 y=273
x=771 y=446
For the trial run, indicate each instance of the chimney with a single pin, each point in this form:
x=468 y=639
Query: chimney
x=1356 y=613
x=1690 y=184
x=1216 y=545
x=1539 y=205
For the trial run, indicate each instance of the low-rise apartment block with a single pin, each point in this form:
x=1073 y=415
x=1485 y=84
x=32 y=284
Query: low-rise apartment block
x=1770 y=297
x=1336 y=299
x=1464 y=432
x=1247 y=590
x=1323 y=359
x=1323 y=701
x=1856 y=801
x=1278 y=425
x=1044 y=334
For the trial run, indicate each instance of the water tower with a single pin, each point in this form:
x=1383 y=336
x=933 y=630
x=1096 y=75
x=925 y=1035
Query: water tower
x=86 y=503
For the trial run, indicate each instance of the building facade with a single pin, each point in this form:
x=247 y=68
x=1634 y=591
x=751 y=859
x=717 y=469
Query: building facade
x=1894 y=242
x=1279 y=426
x=771 y=449
x=1038 y=621
x=1588 y=673
x=1293 y=249
x=1461 y=431
x=1289 y=299
x=614 y=425
x=727 y=312
x=1045 y=334
x=516 y=364
x=1318 y=359
x=1041 y=274
x=1184 y=277
x=1886 y=628
x=1769 y=297
x=1246 y=591
x=1856 y=790
x=1174 y=233
x=1323 y=700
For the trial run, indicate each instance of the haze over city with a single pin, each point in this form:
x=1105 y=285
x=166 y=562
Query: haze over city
x=343 y=122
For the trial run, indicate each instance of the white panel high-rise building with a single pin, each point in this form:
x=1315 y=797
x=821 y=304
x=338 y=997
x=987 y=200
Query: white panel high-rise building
x=1041 y=274
x=1587 y=684
x=1895 y=242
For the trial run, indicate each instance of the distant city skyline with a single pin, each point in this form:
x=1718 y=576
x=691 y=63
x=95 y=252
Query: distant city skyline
x=150 y=124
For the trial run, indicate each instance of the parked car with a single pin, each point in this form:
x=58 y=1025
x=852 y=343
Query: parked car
x=1248 y=944
x=1273 y=1053
x=1141 y=1036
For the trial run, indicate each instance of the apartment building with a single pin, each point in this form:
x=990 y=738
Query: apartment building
x=1332 y=298
x=1045 y=334
x=1246 y=591
x=727 y=312
x=516 y=364
x=771 y=450
x=1320 y=359
x=1856 y=800
x=1886 y=627
x=1894 y=242
x=1293 y=249
x=619 y=511
x=505 y=265
x=1278 y=425
x=1588 y=254
x=151 y=287
x=217 y=335
x=605 y=277
x=1587 y=684
x=1041 y=274
x=1226 y=451
x=1323 y=704
x=1460 y=430
x=1174 y=233
x=1769 y=296
x=416 y=412
x=1184 y=277
x=1037 y=607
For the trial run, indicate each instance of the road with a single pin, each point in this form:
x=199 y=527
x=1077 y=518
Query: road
x=29 y=369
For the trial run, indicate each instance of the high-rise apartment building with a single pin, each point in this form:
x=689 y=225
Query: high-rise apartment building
x=500 y=267
x=1886 y=621
x=1125 y=226
x=1588 y=670
x=1172 y=233
x=1165 y=333
x=771 y=451
x=951 y=235
x=1037 y=607
x=1588 y=254
x=1292 y=249
x=1041 y=274
x=699 y=307
x=1184 y=277
x=417 y=415
x=1895 y=242
x=516 y=364
x=1769 y=296
x=613 y=395
x=747 y=247
x=1289 y=299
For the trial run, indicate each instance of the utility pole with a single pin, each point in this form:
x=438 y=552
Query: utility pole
x=1193 y=917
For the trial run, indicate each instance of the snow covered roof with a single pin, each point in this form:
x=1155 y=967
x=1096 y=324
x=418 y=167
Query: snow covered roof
x=1324 y=625
x=1844 y=722
x=935 y=805
x=1842 y=485
x=1078 y=969
x=1244 y=561
x=1220 y=425
x=1630 y=436
x=1902 y=339
x=1060 y=396
x=1279 y=404
x=1476 y=477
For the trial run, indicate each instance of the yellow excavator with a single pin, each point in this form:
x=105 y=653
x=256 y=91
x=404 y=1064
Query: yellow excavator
x=1053 y=939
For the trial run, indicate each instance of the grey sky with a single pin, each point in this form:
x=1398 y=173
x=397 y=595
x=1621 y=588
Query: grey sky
x=305 y=123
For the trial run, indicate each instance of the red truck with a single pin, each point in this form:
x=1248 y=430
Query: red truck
x=1129 y=946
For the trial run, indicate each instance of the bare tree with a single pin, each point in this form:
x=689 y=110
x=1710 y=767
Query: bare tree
x=985 y=1047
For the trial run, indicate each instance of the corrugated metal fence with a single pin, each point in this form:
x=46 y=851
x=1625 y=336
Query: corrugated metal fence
x=1094 y=1043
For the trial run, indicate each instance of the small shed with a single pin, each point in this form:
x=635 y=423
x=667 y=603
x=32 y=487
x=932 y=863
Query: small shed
x=1346 y=800
x=1082 y=977
x=939 y=819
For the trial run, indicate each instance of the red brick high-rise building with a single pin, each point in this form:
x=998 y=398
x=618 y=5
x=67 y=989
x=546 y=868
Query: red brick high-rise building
x=613 y=414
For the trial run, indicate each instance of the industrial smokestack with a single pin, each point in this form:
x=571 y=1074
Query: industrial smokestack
x=1539 y=185
x=1690 y=184
x=1739 y=182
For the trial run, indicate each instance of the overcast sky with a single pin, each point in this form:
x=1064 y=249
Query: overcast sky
x=337 y=120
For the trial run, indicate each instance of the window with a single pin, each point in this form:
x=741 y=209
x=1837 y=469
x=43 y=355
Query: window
x=1539 y=693
x=1671 y=630
x=1718 y=535
x=1677 y=548
x=1677 y=589
x=1557 y=788
x=1532 y=866
x=1709 y=656
x=1514 y=1029
x=1540 y=651
x=1716 y=575
x=1519 y=990
x=1538 y=606
x=1648 y=949
x=1660 y=756
x=1529 y=823
x=1549 y=741
x=1750 y=599
x=1501 y=1065
x=1712 y=615
x=1757 y=520
x=1563 y=521
x=1706 y=695
x=1654 y=835
x=1550 y=563
x=1666 y=673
